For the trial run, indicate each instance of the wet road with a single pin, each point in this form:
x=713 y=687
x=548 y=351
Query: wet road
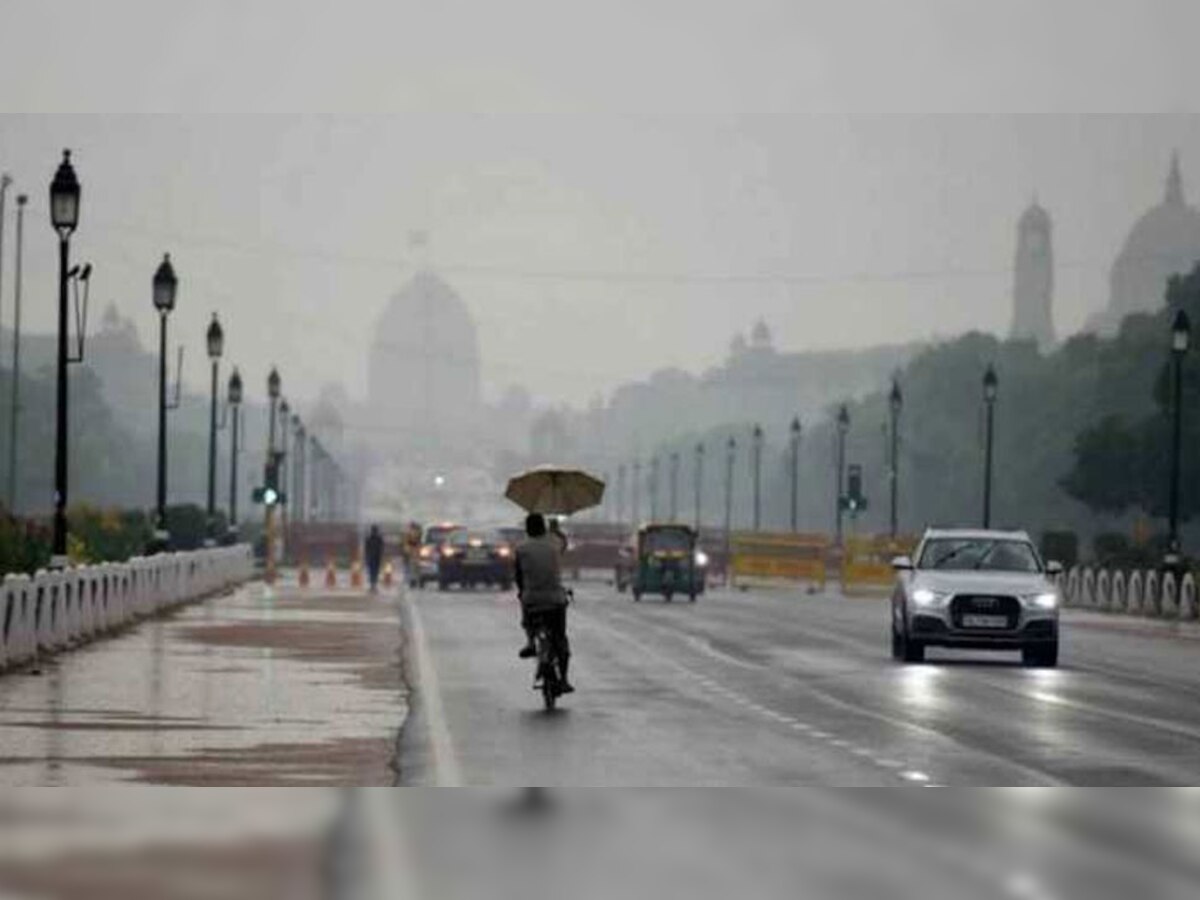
x=774 y=687
x=264 y=688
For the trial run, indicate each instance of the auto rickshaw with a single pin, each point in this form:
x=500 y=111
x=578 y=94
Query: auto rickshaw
x=663 y=559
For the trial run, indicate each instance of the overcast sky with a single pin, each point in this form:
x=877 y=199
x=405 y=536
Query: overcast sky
x=610 y=191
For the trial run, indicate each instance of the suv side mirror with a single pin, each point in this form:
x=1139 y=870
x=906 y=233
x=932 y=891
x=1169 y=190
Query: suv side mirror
x=1054 y=568
x=902 y=563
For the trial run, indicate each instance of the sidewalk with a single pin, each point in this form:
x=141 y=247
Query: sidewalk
x=261 y=687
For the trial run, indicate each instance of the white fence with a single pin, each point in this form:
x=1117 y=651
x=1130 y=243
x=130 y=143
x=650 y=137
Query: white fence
x=1137 y=593
x=53 y=611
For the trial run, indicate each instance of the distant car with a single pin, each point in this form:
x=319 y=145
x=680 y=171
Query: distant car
x=984 y=590
x=468 y=558
x=426 y=569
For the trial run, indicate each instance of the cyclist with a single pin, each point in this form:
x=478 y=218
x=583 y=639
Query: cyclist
x=543 y=599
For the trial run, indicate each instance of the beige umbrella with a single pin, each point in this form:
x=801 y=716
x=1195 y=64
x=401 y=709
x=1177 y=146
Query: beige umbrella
x=554 y=491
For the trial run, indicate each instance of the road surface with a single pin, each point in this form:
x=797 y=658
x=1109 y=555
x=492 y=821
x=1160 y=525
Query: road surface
x=775 y=687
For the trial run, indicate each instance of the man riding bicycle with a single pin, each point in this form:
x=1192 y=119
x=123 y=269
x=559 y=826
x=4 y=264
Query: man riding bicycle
x=538 y=576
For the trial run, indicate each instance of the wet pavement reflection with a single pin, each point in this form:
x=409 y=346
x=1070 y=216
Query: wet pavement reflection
x=260 y=687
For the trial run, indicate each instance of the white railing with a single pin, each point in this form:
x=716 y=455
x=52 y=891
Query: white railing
x=1137 y=593
x=53 y=611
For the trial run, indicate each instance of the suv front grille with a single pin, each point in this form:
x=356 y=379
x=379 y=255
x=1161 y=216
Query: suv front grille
x=985 y=605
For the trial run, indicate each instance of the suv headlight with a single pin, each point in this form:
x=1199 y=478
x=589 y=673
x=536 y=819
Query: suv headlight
x=927 y=599
x=701 y=558
x=1044 y=600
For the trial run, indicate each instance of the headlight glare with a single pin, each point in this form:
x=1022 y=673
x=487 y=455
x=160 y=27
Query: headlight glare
x=1047 y=600
x=701 y=558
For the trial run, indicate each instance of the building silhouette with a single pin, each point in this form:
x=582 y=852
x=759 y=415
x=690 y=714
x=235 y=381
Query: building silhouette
x=1033 y=279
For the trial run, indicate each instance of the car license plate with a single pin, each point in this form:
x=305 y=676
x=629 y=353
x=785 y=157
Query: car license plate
x=477 y=556
x=985 y=621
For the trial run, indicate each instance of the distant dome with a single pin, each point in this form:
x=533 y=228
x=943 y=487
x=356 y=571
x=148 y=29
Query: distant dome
x=761 y=336
x=424 y=372
x=1164 y=242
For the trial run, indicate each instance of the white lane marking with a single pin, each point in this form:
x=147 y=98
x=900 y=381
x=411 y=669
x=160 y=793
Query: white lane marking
x=445 y=760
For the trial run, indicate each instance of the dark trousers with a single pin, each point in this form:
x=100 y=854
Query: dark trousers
x=554 y=618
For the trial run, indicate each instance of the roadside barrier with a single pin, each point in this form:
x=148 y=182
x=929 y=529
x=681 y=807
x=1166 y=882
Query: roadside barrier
x=1138 y=593
x=303 y=574
x=356 y=574
x=54 y=611
x=389 y=575
x=867 y=562
x=797 y=557
x=330 y=574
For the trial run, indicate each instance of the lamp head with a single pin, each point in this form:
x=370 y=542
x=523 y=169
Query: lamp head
x=64 y=198
x=235 y=388
x=1181 y=332
x=165 y=285
x=215 y=338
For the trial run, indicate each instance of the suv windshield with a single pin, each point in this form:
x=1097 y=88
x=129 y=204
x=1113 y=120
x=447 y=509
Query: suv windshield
x=979 y=554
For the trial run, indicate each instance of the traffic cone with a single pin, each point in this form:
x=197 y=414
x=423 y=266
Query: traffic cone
x=303 y=573
x=330 y=574
x=356 y=574
x=387 y=575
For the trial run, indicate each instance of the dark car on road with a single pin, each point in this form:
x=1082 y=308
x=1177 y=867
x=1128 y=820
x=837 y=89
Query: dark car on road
x=468 y=558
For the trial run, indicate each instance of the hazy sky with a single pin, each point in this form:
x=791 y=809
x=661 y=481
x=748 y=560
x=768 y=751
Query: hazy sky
x=610 y=190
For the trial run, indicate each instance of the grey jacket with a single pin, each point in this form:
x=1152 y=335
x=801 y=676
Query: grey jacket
x=539 y=573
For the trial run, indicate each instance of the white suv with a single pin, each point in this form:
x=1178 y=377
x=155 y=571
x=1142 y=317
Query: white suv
x=985 y=590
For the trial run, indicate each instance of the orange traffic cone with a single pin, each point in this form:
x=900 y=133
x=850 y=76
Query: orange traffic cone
x=304 y=573
x=356 y=574
x=330 y=574
x=387 y=575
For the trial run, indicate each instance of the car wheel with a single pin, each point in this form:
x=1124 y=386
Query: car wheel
x=637 y=596
x=1043 y=656
x=621 y=586
x=443 y=585
x=897 y=644
x=910 y=651
x=506 y=586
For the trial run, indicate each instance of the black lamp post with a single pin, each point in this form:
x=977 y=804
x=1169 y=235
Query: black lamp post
x=282 y=455
x=843 y=426
x=674 y=486
x=698 y=486
x=637 y=493
x=730 y=456
x=216 y=346
x=64 y=216
x=298 y=472
x=621 y=494
x=757 y=435
x=165 y=287
x=274 y=385
x=895 y=402
x=1181 y=337
x=795 y=448
x=990 y=387
x=234 y=396
x=654 y=488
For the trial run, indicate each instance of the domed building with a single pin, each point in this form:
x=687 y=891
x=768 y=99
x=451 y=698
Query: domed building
x=1164 y=242
x=423 y=378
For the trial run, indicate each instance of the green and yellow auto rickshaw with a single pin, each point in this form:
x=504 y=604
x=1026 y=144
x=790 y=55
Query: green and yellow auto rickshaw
x=663 y=559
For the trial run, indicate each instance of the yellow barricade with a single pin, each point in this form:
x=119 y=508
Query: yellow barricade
x=797 y=557
x=867 y=562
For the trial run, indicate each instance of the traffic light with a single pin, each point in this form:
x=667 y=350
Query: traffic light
x=854 y=501
x=269 y=494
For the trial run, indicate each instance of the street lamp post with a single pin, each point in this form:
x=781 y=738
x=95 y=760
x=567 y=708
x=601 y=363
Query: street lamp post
x=234 y=396
x=621 y=494
x=795 y=448
x=274 y=386
x=64 y=216
x=15 y=399
x=298 y=475
x=843 y=426
x=674 y=486
x=654 y=488
x=637 y=492
x=215 y=339
x=757 y=435
x=285 y=419
x=1181 y=334
x=730 y=455
x=990 y=387
x=698 y=486
x=165 y=287
x=895 y=402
